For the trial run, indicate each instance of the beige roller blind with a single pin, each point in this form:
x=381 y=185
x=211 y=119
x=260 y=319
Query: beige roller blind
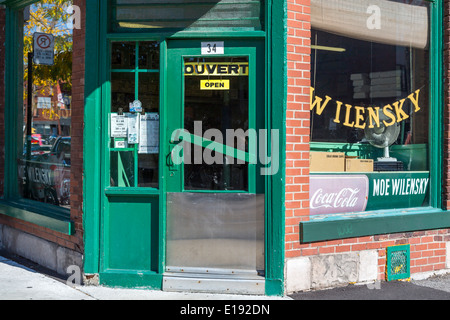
x=400 y=24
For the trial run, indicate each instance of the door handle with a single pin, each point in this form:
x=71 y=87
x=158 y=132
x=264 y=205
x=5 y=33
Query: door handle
x=169 y=159
x=180 y=139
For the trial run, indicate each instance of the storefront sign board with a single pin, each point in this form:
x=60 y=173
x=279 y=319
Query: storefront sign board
x=349 y=193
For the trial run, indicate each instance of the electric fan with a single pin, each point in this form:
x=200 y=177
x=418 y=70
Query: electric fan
x=383 y=137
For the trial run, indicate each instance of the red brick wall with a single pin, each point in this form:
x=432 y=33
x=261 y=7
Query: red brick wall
x=76 y=176
x=74 y=242
x=427 y=247
x=297 y=121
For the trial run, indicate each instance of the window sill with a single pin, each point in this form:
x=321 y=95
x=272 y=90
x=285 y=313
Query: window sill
x=53 y=218
x=341 y=226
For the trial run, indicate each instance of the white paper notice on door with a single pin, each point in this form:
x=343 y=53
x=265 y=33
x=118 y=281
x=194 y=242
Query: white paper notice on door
x=133 y=127
x=149 y=133
x=118 y=126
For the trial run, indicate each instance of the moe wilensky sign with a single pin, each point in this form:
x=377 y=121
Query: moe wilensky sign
x=338 y=193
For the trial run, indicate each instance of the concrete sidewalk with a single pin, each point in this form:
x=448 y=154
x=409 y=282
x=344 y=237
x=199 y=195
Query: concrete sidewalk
x=19 y=282
x=23 y=280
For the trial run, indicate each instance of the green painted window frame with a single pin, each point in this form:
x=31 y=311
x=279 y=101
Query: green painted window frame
x=112 y=190
x=334 y=227
x=97 y=38
x=12 y=204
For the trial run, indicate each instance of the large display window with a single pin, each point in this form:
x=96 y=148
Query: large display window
x=370 y=105
x=44 y=109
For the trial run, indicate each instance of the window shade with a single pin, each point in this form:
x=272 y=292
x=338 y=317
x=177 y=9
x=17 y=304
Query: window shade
x=188 y=14
x=401 y=24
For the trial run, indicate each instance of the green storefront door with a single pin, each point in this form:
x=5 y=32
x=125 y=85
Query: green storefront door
x=214 y=189
x=184 y=194
x=131 y=237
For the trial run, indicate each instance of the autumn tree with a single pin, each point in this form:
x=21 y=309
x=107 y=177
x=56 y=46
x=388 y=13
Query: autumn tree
x=50 y=16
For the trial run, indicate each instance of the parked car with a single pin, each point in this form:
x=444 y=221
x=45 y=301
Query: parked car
x=46 y=176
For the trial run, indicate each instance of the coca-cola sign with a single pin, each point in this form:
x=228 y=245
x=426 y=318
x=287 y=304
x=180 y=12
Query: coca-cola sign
x=338 y=194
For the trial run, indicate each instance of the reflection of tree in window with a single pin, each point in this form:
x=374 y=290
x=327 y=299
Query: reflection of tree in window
x=48 y=117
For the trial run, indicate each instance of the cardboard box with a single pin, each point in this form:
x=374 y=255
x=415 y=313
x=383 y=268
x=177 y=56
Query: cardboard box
x=358 y=165
x=327 y=162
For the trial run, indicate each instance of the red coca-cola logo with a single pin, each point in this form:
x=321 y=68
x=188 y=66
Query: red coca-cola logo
x=338 y=194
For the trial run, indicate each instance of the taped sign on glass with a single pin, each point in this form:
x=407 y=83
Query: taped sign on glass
x=149 y=133
x=133 y=127
x=43 y=49
x=119 y=127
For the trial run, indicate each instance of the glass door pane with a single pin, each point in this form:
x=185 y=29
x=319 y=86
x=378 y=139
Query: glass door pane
x=135 y=111
x=216 y=107
x=215 y=219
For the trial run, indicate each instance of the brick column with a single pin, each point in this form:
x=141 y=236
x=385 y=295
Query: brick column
x=297 y=121
x=77 y=131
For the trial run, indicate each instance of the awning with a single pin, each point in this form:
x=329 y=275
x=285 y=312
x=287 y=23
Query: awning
x=401 y=24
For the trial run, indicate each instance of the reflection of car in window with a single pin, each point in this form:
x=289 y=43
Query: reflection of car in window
x=59 y=153
x=47 y=175
x=36 y=150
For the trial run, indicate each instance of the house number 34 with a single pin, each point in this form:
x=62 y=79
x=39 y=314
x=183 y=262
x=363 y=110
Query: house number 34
x=211 y=48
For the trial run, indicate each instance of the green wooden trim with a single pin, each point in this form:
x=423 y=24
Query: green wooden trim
x=16 y=4
x=92 y=197
x=436 y=124
x=11 y=99
x=136 y=70
x=37 y=215
x=374 y=223
x=131 y=279
x=276 y=99
x=163 y=138
x=125 y=192
x=126 y=36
